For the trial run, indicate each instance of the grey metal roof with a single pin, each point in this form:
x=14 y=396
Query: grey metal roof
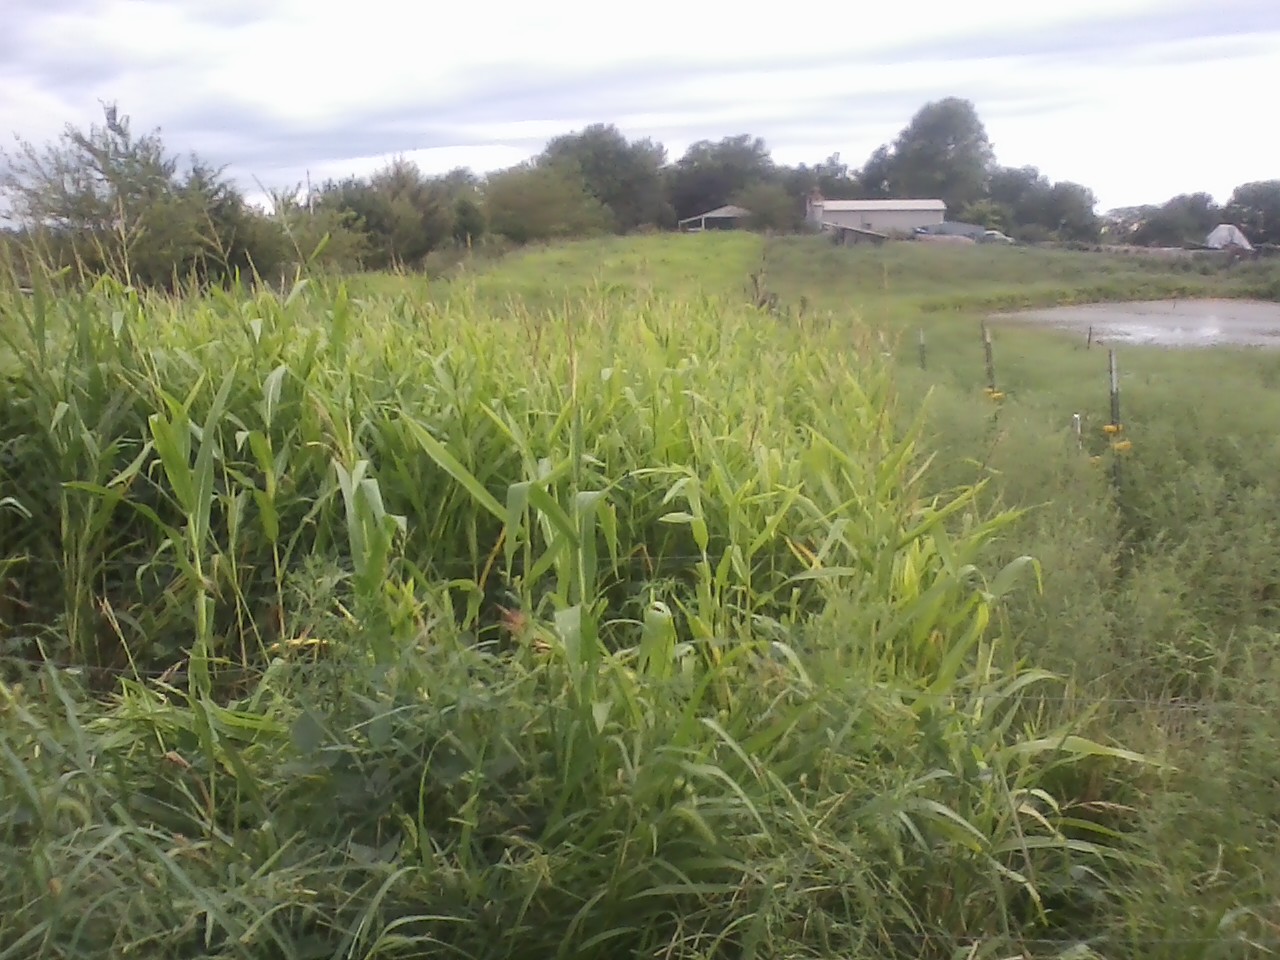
x=728 y=211
x=863 y=231
x=853 y=206
x=953 y=228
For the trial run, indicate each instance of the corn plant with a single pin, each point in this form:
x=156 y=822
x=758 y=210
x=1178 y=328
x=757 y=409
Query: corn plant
x=512 y=631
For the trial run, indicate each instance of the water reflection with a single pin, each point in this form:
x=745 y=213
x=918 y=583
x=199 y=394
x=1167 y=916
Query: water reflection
x=1168 y=323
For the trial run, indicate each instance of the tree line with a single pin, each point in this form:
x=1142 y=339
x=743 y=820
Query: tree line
x=105 y=200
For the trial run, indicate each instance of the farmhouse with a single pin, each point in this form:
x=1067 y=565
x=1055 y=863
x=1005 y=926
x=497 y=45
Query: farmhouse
x=721 y=218
x=880 y=216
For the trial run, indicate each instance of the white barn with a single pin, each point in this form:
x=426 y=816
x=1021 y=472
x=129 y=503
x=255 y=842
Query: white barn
x=881 y=216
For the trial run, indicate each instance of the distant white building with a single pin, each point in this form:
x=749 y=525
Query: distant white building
x=728 y=217
x=1225 y=236
x=880 y=216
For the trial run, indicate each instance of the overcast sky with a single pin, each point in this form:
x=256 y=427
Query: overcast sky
x=1137 y=99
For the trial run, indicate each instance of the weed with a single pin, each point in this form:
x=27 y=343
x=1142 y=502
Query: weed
x=575 y=607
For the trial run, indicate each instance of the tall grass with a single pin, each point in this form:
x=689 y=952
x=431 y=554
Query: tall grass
x=921 y=280
x=575 y=616
x=1159 y=597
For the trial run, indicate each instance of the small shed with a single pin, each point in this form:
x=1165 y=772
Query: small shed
x=728 y=217
x=847 y=236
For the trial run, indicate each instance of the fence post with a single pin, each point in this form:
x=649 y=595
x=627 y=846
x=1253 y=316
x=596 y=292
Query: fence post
x=1115 y=427
x=1115 y=389
x=1078 y=426
x=990 y=358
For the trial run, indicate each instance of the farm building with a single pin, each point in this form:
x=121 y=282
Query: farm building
x=848 y=236
x=727 y=217
x=880 y=216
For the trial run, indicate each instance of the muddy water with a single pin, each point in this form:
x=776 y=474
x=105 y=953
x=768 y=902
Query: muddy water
x=1168 y=323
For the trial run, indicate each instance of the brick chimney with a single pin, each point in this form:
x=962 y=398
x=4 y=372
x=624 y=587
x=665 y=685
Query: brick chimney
x=815 y=199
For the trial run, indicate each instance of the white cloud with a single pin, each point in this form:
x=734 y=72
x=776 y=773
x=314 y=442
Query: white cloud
x=1112 y=104
x=1143 y=136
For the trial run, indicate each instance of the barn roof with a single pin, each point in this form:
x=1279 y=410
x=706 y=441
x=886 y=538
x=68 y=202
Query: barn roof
x=868 y=206
x=728 y=211
x=861 y=231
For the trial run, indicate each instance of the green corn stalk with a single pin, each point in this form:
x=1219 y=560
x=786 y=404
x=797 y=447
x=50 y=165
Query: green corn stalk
x=371 y=530
x=193 y=488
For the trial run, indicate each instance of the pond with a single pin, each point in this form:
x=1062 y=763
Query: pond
x=1167 y=323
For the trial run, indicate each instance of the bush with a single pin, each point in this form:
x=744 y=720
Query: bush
x=507 y=633
x=107 y=202
x=535 y=203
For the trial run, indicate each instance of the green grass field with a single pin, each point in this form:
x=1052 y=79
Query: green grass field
x=575 y=606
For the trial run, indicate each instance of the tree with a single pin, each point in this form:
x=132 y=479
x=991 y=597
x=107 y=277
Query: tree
x=1121 y=224
x=404 y=214
x=877 y=175
x=1184 y=219
x=1070 y=212
x=307 y=232
x=460 y=181
x=988 y=214
x=624 y=176
x=106 y=200
x=1037 y=208
x=1255 y=209
x=710 y=174
x=462 y=188
x=419 y=211
x=533 y=202
x=836 y=181
x=771 y=206
x=943 y=152
x=1023 y=191
x=468 y=220
x=832 y=178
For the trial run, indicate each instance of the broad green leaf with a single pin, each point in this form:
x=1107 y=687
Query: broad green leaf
x=1009 y=575
x=308 y=733
x=271 y=393
x=1076 y=746
x=450 y=465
